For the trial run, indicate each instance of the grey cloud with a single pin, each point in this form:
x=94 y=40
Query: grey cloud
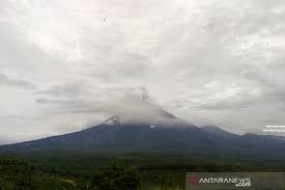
x=225 y=105
x=89 y=58
x=20 y=83
x=67 y=90
x=50 y=101
x=13 y=117
x=132 y=106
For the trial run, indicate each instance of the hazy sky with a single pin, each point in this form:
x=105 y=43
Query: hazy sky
x=68 y=64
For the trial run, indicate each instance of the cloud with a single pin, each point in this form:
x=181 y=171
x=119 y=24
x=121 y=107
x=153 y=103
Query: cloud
x=210 y=62
x=132 y=106
x=20 y=83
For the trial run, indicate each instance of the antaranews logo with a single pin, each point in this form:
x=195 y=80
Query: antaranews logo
x=237 y=181
x=248 y=181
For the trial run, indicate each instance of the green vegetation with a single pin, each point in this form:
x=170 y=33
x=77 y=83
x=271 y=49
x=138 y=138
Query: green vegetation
x=84 y=171
x=15 y=174
x=117 y=176
x=20 y=175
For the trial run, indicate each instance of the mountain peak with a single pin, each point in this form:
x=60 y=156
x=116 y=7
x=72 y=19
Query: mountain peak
x=115 y=120
x=145 y=113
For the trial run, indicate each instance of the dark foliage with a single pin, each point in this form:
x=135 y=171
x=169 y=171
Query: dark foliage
x=117 y=176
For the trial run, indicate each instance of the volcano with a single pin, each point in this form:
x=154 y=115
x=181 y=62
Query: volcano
x=166 y=134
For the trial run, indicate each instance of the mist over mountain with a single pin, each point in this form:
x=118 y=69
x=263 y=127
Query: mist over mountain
x=66 y=65
x=162 y=133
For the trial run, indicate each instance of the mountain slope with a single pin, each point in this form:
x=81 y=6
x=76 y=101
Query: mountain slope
x=117 y=134
x=143 y=138
x=218 y=131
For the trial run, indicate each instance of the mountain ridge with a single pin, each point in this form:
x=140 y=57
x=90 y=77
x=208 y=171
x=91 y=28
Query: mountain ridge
x=118 y=135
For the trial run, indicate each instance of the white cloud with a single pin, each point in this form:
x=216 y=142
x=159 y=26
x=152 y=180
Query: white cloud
x=218 y=62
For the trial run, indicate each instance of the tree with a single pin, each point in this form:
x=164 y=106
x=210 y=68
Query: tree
x=116 y=176
x=15 y=174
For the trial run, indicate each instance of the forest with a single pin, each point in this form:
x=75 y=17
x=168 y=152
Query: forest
x=72 y=171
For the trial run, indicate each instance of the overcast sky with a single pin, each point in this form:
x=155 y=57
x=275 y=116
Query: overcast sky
x=69 y=64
